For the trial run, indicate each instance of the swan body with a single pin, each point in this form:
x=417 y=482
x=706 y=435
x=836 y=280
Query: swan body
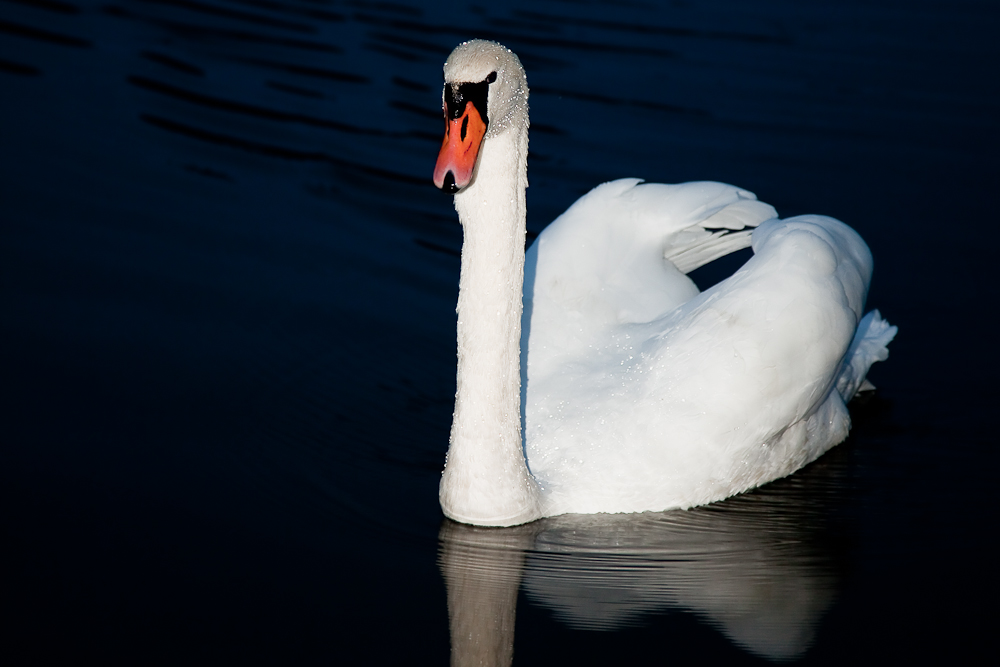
x=637 y=392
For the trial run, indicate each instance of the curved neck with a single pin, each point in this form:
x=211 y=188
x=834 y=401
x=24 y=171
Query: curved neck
x=486 y=480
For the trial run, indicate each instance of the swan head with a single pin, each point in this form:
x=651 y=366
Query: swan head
x=485 y=94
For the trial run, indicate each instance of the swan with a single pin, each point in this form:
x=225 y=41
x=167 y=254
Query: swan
x=639 y=392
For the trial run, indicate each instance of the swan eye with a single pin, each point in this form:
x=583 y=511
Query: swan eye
x=491 y=78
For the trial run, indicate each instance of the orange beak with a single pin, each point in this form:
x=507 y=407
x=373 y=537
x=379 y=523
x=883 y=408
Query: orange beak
x=456 y=162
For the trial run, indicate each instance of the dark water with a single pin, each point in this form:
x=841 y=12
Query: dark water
x=227 y=351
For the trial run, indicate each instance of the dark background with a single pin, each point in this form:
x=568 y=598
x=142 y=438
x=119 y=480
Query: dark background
x=227 y=292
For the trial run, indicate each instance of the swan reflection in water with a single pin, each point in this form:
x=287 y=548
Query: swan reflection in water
x=755 y=567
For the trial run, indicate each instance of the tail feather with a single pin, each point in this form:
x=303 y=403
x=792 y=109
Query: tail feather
x=869 y=345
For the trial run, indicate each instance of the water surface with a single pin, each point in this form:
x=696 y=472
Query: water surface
x=228 y=293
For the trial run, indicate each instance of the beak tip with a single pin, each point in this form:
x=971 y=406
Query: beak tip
x=448 y=185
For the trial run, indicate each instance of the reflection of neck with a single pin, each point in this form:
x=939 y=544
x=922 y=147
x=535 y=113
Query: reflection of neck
x=756 y=567
x=486 y=480
x=482 y=571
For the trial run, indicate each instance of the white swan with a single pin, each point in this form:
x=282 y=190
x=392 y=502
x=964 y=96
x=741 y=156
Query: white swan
x=641 y=393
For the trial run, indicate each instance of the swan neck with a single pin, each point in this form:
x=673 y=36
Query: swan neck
x=486 y=479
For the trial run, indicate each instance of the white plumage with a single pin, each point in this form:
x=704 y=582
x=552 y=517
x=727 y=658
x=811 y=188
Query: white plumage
x=638 y=392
